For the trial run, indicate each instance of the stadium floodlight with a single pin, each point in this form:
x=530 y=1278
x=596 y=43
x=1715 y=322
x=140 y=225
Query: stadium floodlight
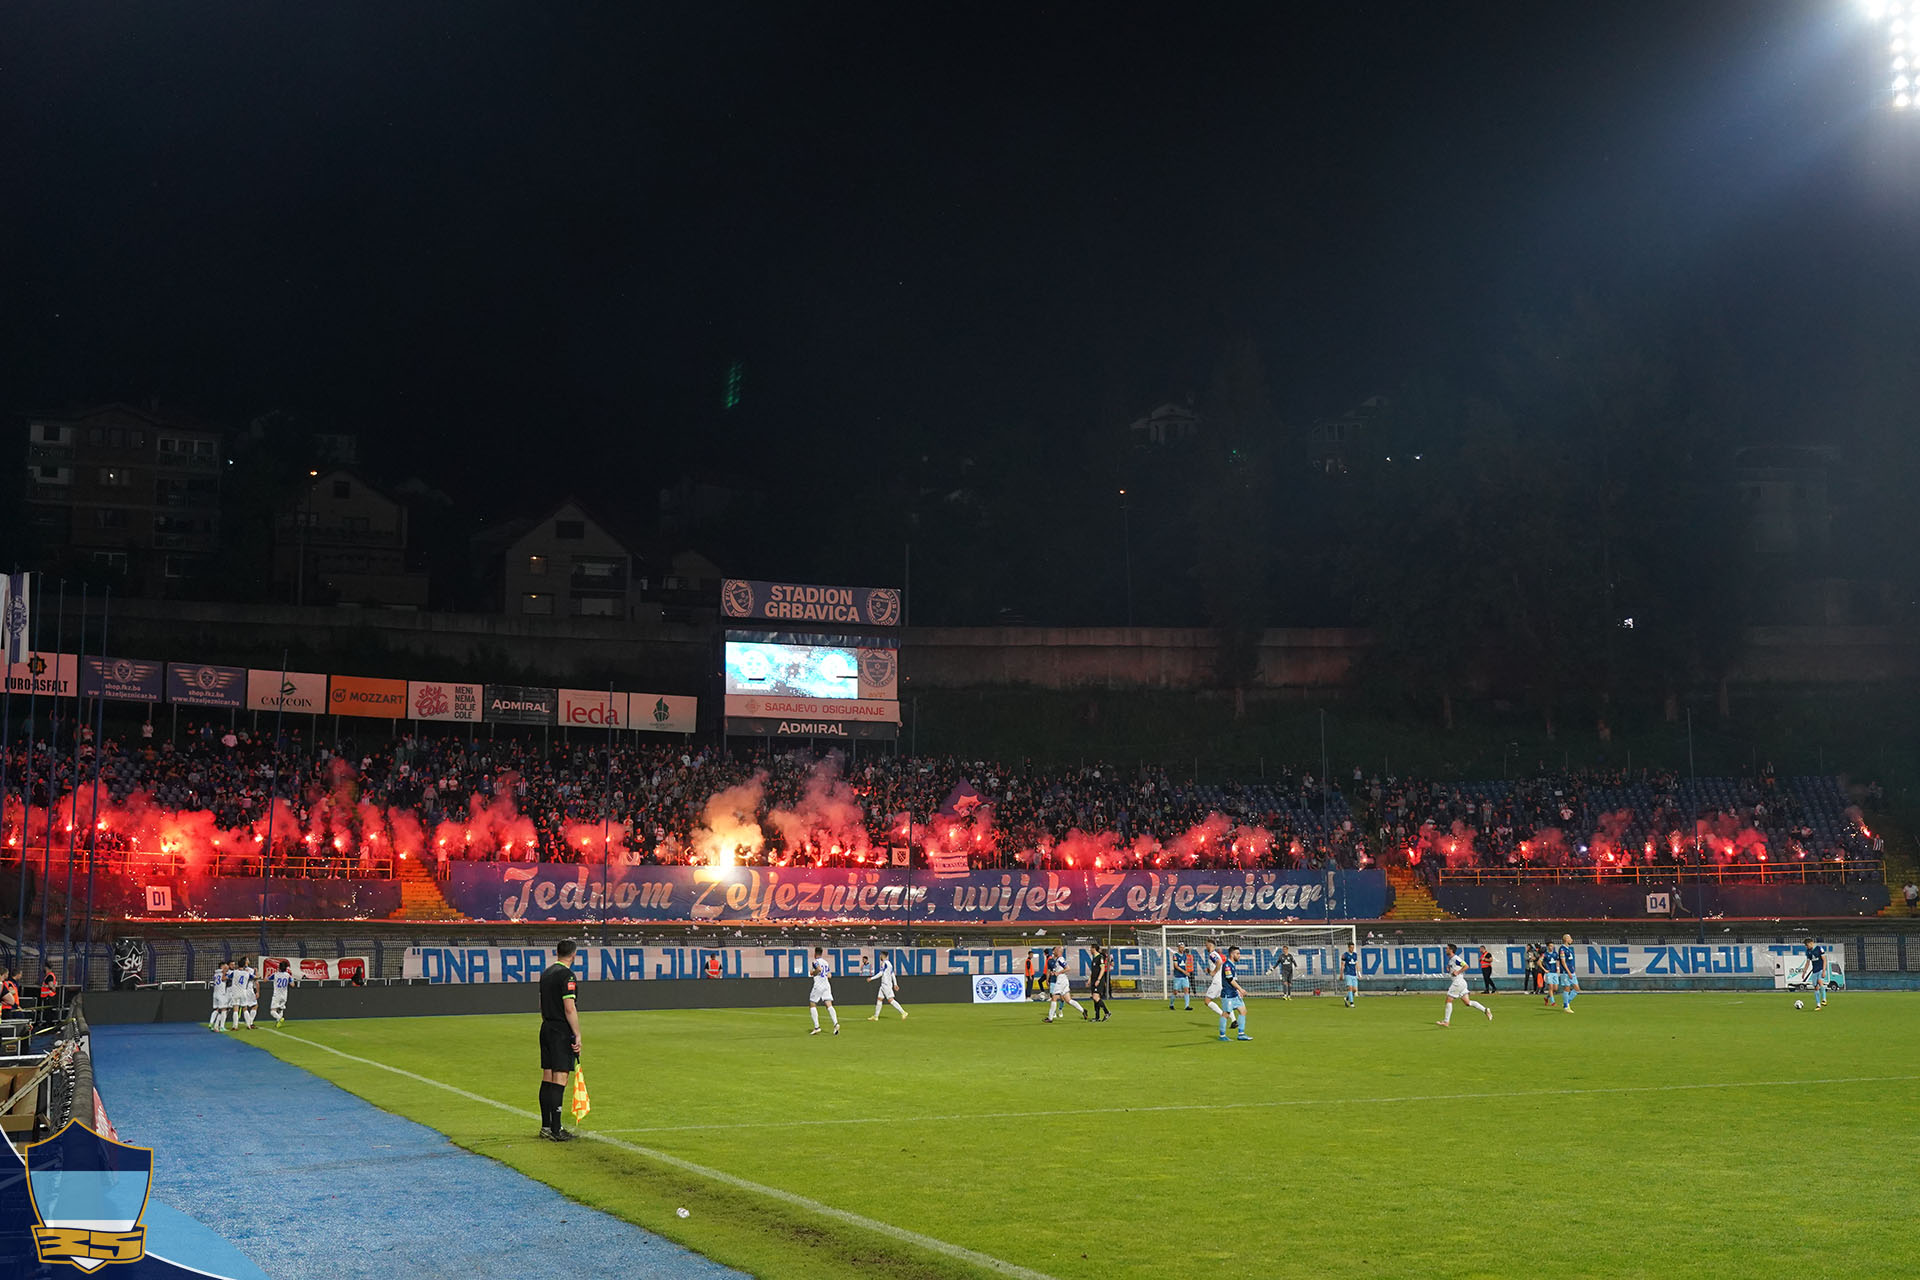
x=1898 y=19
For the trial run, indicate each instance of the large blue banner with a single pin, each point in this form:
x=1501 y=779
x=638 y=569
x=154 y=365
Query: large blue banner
x=832 y=895
x=1316 y=965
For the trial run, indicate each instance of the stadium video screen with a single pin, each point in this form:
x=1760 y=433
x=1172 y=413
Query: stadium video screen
x=792 y=670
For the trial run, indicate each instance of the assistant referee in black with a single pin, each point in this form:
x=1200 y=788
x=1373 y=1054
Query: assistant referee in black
x=559 y=1040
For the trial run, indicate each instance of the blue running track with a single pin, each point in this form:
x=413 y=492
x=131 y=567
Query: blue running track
x=312 y=1183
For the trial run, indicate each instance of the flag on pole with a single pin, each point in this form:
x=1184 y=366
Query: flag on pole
x=961 y=801
x=581 y=1103
x=14 y=615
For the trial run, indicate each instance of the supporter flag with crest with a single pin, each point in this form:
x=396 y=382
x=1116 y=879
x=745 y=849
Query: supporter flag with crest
x=15 y=615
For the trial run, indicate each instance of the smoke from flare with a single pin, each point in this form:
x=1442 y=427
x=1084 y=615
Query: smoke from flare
x=729 y=825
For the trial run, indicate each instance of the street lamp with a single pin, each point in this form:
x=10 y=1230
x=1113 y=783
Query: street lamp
x=304 y=515
x=1126 y=547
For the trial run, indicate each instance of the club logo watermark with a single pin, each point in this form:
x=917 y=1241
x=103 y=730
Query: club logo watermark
x=88 y=1195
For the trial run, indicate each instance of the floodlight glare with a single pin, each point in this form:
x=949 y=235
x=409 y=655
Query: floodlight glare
x=1903 y=102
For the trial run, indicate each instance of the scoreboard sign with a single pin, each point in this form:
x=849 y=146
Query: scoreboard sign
x=802 y=602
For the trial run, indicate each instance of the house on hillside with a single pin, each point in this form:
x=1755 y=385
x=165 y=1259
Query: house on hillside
x=568 y=563
x=343 y=540
x=1166 y=424
x=573 y=562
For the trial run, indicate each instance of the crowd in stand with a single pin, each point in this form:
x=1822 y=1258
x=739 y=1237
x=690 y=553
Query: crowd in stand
x=345 y=808
x=1609 y=820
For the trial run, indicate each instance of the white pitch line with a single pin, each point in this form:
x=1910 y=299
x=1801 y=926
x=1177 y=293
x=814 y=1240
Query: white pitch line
x=887 y=1229
x=1264 y=1104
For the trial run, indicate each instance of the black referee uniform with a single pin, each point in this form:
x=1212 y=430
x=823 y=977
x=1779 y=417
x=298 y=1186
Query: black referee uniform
x=557 y=988
x=1102 y=984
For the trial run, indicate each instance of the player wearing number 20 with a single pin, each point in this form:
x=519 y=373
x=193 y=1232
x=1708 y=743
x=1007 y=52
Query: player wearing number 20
x=282 y=983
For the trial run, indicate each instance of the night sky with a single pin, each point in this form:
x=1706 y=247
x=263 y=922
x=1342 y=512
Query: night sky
x=515 y=245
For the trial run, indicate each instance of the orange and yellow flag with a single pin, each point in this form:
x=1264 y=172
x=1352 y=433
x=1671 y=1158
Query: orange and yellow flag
x=581 y=1103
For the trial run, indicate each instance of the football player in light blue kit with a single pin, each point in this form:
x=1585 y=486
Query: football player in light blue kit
x=1569 y=980
x=1349 y=974
x=1816 y=973
x=1233 y=999
x=1550 y=967
x=1182 y=964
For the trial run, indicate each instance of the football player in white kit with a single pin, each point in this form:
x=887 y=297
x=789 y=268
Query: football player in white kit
x=1214 y=962
x=889 y=987
x=1058 y=988
x=246 y=994
x=1457 y=987
x=282 y=983
x=218 y=1022
x=822 y=993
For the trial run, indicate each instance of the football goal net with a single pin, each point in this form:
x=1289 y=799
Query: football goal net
x=1314 y=948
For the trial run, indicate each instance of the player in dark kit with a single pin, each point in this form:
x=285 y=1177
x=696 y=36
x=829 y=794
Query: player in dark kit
x=1102 y=981
x=559 y=1040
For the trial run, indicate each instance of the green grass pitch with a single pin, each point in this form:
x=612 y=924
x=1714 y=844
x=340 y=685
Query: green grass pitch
x=1701 y=1134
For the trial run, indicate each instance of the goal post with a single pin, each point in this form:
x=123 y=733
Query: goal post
x=1316 y=951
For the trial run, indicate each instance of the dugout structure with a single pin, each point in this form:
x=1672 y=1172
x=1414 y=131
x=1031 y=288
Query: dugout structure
x=1316 y=949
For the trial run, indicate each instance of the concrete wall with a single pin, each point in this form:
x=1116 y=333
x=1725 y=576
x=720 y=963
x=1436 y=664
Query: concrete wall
x=1119 y=657
x=1572 y=901
x=548 y=651
x=193 y=1004
x=677 y=657
x=1828 y=655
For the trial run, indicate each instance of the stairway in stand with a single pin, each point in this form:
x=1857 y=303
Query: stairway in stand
x=1411 y=898
x=1900 y=870
x=420 y=896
